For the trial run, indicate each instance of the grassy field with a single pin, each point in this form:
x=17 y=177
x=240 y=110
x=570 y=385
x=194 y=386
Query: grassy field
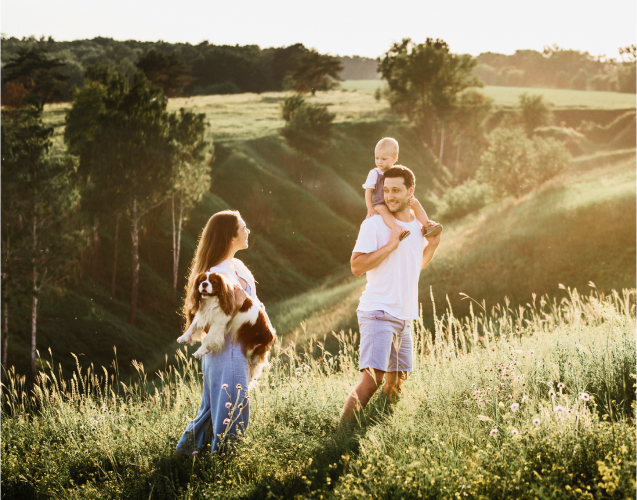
x=508 y=96
x=246 y=116
x=529 y=402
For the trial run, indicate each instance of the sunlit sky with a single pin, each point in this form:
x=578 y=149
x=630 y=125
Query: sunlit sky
x=339 y=27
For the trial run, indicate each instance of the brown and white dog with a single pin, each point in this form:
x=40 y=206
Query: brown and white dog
x=218 y=316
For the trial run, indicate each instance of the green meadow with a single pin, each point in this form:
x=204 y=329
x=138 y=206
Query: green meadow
x=524 y=381
x=536 y=401
x=508 y=96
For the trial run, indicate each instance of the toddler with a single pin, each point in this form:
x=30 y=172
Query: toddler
x=386 y=155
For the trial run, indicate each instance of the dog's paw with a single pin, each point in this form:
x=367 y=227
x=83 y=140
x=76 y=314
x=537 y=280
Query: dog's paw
x=200 y=353
x=184 y=339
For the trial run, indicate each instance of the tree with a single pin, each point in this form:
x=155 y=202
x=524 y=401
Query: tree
x=513 y=164
x=38 y=198
x=316 y=72
x=166 y=71
x=469 y=115
x=425 y=81
x=127 y=152
x=626 y=81
x=308 y=128
x=191 y=172
x=533 y=112
x=37 y=72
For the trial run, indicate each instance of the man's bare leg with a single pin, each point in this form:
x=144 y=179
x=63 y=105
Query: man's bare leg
x=361 y=394
x=393 y=383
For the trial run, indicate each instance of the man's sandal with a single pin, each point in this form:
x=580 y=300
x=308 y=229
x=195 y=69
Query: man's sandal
x=432 y=231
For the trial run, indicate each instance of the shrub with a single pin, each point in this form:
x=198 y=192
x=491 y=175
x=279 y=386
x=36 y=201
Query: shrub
x=308 y=127
x=514 y=164
x=461 y=200
x=533 y=112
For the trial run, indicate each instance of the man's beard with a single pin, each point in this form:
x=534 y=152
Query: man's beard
x=402 y=206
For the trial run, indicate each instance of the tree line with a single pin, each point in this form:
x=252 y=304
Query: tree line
x=559 y=68
x=179 y=69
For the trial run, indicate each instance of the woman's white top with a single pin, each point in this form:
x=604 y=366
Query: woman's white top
x=234 y=270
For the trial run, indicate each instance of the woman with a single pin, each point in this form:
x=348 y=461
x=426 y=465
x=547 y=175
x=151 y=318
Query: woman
x=224 y=402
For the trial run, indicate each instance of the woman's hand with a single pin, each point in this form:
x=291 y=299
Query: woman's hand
x=239 y=296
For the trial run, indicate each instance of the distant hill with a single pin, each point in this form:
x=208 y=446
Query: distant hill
x=359 y=68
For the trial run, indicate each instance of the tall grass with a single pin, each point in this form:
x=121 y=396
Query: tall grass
x=456 y=433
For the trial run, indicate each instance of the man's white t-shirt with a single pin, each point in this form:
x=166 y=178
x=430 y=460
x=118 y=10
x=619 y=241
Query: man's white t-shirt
x=393 y=286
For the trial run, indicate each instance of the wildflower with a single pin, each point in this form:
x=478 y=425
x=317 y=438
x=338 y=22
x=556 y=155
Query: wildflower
x=239 y=386
x=224 y=386
x=226 y=421
x=551 y=393
x=509 y=396
x=228 y=404
x=122 y=415
x=298 y=374
x=536 y=421
x=195 y=453
x=525 y=398
x=147 y=411
x=531 y=352
x=584 y=396
x=493 y=348
x=94 y=422
x=560 y=385
x=514 y=432
x=173 y=393
x=503 y=337
x=515 y=406
x=559 y=409
x=493 y=432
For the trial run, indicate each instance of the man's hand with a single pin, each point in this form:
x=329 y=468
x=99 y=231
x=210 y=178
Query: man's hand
x=239 y=296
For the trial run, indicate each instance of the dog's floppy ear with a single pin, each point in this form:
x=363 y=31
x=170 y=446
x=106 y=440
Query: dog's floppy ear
x=226 y=296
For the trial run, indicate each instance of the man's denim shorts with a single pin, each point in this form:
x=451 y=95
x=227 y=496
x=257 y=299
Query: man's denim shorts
x=385 y=342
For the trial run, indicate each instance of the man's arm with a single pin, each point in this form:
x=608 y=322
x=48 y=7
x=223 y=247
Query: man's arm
x=363 y=262
x=430 y=250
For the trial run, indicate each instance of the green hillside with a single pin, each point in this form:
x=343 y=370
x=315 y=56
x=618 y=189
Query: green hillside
x=579 y=228
x=304 y=223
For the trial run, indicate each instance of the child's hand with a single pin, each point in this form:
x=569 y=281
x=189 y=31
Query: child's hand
x=412 y=200
x=371 y=213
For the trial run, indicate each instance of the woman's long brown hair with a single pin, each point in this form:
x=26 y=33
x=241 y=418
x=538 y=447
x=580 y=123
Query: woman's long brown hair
x=213 y=247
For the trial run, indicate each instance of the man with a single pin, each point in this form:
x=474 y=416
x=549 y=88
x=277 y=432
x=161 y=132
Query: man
x=392 y=260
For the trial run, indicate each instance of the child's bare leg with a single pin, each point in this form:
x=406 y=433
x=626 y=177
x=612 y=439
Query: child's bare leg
x=419 y=212
x=388 y=218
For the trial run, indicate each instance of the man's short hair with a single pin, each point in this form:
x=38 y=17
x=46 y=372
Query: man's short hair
x=401 y=171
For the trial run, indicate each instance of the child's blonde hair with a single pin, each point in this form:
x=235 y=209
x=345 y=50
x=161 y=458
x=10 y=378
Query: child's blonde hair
x=388 y=143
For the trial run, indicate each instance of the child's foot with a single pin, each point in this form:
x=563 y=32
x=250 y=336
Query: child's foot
x=403 y=235
x=433 y=230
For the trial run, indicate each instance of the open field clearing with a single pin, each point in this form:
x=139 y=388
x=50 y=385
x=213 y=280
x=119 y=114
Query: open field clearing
x=508 y=96
x=246 y=116
x=536 y=401
x=239 y=117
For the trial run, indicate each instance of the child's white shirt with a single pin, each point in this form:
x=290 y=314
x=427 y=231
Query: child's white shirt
x=372 y=178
